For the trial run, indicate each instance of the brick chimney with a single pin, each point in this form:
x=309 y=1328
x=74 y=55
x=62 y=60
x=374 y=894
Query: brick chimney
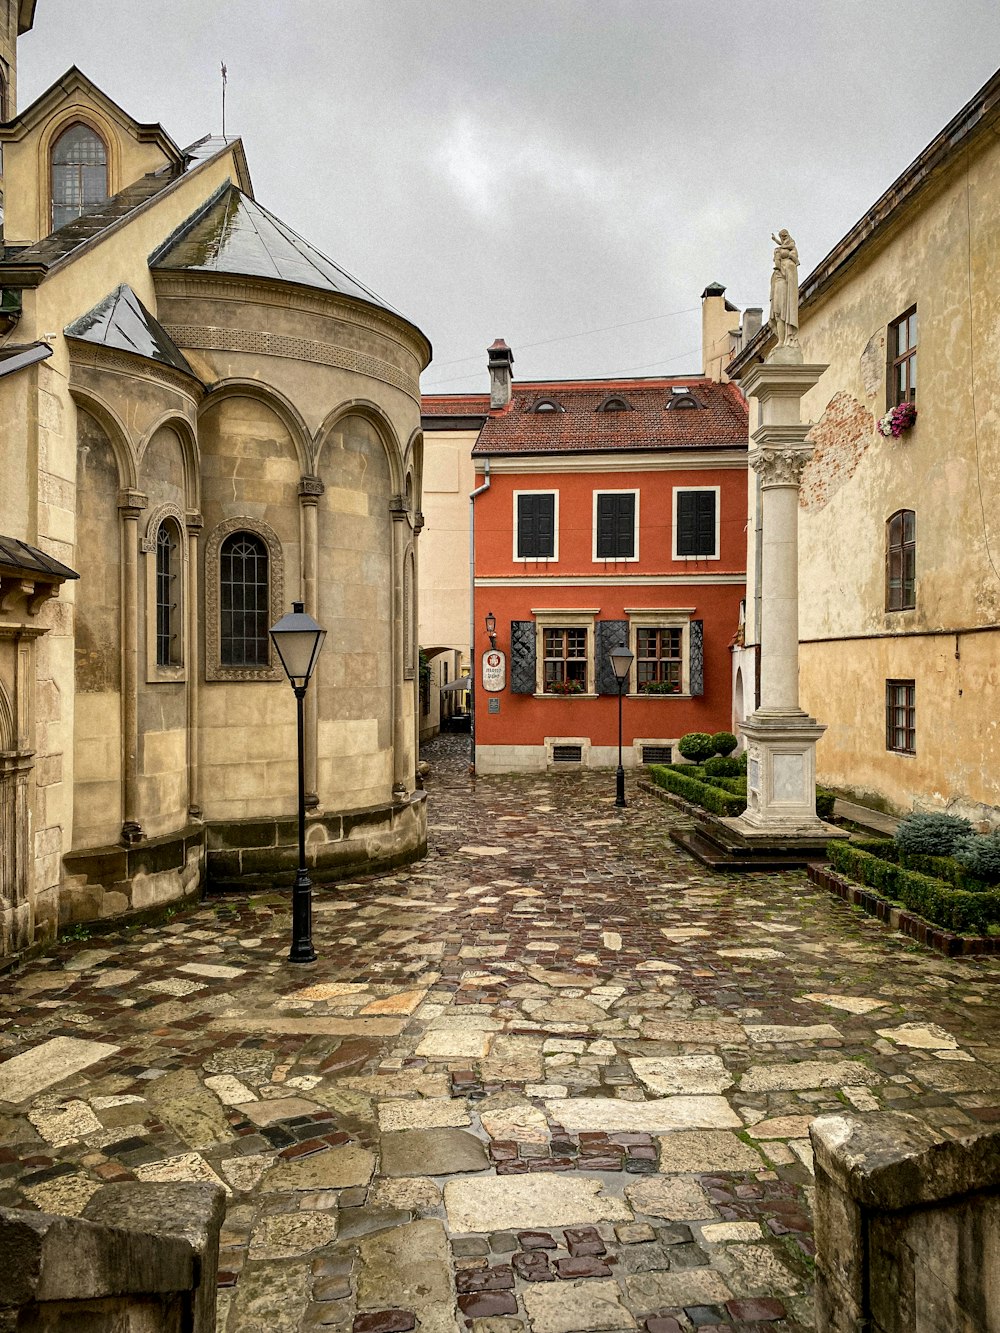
x=500 y=363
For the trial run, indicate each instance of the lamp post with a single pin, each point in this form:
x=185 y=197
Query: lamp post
x=621 y=661
x=297 y=640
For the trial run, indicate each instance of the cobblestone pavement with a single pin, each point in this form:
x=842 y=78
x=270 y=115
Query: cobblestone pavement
x=554 y=1077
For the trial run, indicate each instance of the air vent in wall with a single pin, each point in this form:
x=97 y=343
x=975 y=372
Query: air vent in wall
x=657 y=754
x=567 y=754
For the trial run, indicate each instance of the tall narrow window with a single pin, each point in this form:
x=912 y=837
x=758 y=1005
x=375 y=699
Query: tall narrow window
x=244 y=601
x=79 y=174
x=901 y=716
x=901 y=561
x=167 y=627
x=614 y=523
x=696 y=523
x=903 y=359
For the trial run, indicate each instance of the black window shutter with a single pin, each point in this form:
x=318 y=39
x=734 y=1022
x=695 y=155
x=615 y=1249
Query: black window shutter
x=696 y=523
x=536 y=525
x=705 y=510
x=686 y=531
x=522 y=656
x=608 y=634
x=696 y=660
x=545 y=531
x=626 y=526
x=615 y=526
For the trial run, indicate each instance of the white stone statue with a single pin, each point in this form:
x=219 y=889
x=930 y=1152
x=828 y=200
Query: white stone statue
x=784 y=317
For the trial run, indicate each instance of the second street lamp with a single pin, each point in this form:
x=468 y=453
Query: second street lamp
x=298 y=640
x=621 y=661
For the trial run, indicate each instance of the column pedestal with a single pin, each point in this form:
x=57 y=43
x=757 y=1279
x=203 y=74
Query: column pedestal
x=781 y=777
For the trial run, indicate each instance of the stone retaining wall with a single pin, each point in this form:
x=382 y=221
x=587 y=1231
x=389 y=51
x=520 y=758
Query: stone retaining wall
x=907 y=1227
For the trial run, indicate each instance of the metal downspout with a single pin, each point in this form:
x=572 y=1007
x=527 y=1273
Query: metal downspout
x=472 y=617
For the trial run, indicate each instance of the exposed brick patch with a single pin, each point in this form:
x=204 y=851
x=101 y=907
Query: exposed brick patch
x=841 y=436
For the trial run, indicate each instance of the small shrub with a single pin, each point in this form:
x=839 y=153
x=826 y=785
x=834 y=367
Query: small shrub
x=980 y=855
x=824 y=803
x=741 y=759
x=724 y=742
x=931 y=834
x=696 y=746
x=721 y=767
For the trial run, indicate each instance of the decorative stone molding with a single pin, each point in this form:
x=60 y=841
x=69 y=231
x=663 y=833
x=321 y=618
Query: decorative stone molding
x=87 y=355
x=780 y=467
x=209 y=338
x=214 y=668
x=193 y=521
x=156 y=517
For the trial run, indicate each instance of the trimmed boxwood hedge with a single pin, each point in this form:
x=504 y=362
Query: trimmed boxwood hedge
x=709 y=797
x=938 y=867
x=874 y=863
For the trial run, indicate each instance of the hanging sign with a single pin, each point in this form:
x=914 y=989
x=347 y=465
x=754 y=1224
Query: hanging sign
x=494 y=671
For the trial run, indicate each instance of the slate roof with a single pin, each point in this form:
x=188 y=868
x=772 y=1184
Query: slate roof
x=123 y=322
x=234 y=234
x=653 y=418
x=20 y=558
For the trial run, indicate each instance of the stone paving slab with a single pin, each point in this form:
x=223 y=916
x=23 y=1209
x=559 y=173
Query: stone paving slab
x=558 y=1080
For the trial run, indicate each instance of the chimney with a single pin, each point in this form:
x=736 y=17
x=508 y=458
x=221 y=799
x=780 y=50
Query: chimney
x=716 y=329
x=753 y=317
x=501 y=359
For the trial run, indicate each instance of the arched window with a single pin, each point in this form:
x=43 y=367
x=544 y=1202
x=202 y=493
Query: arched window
x=168 y=635
x=79 y=174
x=901 y=561
x=244 y=601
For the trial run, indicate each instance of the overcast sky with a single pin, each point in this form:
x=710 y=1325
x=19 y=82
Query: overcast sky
x=541 y=170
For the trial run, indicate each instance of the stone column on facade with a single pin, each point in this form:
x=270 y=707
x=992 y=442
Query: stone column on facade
x=130 y=506
x=401 y=784
x=310 y=489
x=781 y=738
x=194 y=525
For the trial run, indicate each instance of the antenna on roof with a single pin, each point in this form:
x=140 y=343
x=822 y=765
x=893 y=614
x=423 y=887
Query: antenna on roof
x=224 y=73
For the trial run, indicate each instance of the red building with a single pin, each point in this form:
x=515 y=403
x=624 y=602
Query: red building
x=613 y=512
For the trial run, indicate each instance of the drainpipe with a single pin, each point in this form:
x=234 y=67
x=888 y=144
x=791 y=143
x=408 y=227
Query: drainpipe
x=472 y=617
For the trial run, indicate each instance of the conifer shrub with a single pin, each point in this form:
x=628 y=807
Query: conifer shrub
x=724 y=742
x=931 y=834
x=980 y=855
x=696 y=746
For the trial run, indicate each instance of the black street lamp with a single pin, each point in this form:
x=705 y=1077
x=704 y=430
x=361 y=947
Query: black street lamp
x=297 y=640
x=491 y=628
x=621 y=661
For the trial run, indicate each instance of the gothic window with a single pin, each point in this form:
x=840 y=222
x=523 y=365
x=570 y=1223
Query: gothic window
x=79 y=174
x=168 y=629
x=244 y=601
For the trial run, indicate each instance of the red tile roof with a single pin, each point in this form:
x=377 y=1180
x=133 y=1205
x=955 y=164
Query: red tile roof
x=718 y=421
x=454 y=404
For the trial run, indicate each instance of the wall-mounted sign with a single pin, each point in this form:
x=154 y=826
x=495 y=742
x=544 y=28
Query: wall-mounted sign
x=494 y=671
x=493 y=705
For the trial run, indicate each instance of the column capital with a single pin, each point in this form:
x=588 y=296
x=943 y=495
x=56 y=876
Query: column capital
x=780 y=467
x=131 y=503
x=310 y=489
x=193 y=521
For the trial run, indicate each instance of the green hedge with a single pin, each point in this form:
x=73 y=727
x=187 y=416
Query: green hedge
x=934 y=899
x=937 y=867
x=709 y=797
x=696 y=777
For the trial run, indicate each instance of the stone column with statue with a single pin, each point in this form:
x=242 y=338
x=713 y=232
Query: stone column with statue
x=781 y=737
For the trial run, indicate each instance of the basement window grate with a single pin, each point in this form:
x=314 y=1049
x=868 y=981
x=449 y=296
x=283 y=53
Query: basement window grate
x=567 y=754
x=657 y=754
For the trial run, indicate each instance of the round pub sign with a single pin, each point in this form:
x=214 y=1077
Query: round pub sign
x=494 y=671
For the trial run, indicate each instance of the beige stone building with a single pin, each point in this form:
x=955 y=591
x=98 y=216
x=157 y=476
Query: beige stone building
x=203 y=418
x=899 y=557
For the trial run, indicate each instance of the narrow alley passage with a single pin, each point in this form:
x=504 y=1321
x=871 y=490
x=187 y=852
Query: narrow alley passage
x=555 y=1077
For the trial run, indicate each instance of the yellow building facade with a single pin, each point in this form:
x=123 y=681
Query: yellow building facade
x=202 y=419
x=899 y=554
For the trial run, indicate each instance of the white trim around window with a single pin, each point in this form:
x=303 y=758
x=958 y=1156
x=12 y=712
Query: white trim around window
x=538 y=559
x=617 y=559
x=671 y=617
x=718 y=522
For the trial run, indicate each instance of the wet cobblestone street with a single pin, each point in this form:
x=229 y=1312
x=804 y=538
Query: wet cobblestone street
x=555 y=1077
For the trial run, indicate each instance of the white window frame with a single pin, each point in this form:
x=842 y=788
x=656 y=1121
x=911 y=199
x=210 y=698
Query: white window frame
x=718 y=523
x=539 y=559
x=617 y=559
x=670 y=617
x=571 y=618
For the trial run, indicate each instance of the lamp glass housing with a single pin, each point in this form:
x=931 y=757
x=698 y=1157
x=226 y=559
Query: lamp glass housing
x=621 y=662
x=298 y=641
x=491 y=624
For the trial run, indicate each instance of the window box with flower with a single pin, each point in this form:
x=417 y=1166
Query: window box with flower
x=897 y=420
x=565 y=687
x=659 y=687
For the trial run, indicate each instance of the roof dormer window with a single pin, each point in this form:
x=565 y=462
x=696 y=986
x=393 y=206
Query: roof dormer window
x=681 y=397
x=79 y=174
x=547 y=405
x=615 y=403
